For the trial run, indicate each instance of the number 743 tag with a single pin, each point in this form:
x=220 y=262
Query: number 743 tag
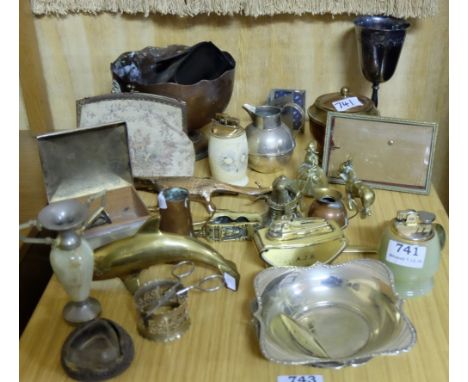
x=300 y=378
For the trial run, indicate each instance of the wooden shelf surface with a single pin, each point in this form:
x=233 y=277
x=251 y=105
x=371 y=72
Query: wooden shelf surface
x=221 y=344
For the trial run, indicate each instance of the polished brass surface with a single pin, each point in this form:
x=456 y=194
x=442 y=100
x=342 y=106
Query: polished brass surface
x=414 y=225
x=284 y=200
x=344 y=315
x=227 y=225
x=355 y=188
x=200 y=189
x=225 y=126
x=311 y=177
x=171 y=320
x=296 y=229
x=127 y=257
x=300 y=242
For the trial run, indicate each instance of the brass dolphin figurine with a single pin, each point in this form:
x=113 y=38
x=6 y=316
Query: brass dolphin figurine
x=125 y=258
x=200 y=189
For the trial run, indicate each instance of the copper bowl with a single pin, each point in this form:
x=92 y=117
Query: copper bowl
x=204 y=98
x=330 y=207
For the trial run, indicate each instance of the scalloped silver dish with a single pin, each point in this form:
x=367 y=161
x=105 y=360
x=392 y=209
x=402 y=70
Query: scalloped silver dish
x=330 y=316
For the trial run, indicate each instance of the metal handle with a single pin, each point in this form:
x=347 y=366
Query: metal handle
x=358 y=249
x=189 y=265
x=199 y=285
x=172 y=292
x=205 y=280
x=31 y=240
x=298 y=108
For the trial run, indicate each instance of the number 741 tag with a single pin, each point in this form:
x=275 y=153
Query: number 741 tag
x=300 y=378
x=346 y=103
x=406 y=255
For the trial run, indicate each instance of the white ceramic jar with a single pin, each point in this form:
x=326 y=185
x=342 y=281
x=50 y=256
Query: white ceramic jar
x=228 y=154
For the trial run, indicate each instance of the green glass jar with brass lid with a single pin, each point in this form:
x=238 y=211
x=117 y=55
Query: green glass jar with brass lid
x=325 y=103
x=411 y=247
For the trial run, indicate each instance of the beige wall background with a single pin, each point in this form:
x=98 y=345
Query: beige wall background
x=315 y=53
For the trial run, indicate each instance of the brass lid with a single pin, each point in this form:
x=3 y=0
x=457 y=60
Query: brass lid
x=323 y=104
x=225 y=126
x=414 y=225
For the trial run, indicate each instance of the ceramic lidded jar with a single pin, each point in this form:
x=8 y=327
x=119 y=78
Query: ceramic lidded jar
x=324 y=104
x=228 y=151
x=271 y=143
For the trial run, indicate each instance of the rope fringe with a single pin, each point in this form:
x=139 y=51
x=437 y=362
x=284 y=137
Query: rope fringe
x=255 y=8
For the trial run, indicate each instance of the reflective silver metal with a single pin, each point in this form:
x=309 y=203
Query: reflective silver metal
x=271 y=143
x=330 y=315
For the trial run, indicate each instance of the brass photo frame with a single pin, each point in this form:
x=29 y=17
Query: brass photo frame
x=387 y=153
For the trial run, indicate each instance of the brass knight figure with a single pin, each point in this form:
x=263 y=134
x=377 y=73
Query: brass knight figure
x=311 y=176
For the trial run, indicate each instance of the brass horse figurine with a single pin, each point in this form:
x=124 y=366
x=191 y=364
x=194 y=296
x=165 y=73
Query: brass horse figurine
x=355 y=188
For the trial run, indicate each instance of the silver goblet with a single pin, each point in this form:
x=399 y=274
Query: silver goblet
x=380 y=39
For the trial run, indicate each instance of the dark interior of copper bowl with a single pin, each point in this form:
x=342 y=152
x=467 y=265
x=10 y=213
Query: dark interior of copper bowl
x=201 y=75
x=174 y=64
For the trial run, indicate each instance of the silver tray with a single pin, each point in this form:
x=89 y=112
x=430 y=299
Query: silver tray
x=330 y=315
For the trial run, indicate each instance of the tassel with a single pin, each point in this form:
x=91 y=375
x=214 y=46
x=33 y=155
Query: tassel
x=255 y=8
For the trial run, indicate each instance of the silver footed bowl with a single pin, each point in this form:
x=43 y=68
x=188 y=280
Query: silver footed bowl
x=330 y=316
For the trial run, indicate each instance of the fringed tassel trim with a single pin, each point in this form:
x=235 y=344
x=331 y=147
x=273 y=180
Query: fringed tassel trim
x=255 y=8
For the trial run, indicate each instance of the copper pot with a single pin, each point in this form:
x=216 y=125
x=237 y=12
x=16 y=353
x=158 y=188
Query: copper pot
x=204 y=99
x=318 y=112
x=330 y=207
x=174 y=208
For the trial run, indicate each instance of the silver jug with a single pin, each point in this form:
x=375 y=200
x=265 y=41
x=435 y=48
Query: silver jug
x=271 y=143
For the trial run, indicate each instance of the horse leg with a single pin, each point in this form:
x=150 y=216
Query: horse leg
x=366 y=203
x=352 y=205
x=349 y=199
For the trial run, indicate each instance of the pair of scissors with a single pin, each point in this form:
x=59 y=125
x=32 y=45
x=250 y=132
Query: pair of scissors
x=181 y=271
